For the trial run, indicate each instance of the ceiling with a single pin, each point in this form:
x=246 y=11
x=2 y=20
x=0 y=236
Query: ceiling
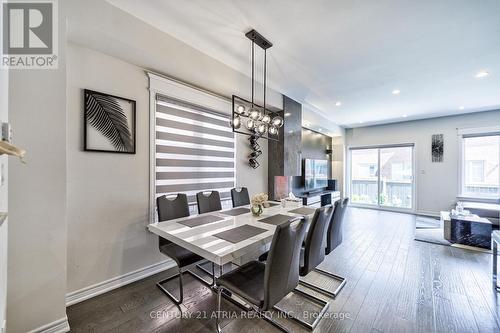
x=355 y=52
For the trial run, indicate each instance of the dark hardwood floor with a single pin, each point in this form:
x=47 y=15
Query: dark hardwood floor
x=394 y=284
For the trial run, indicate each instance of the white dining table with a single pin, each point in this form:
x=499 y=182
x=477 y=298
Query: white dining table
x=201 y=240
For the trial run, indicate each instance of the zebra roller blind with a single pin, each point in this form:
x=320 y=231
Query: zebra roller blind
x=194 y=150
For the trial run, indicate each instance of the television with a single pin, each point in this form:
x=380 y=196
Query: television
x=315 y=174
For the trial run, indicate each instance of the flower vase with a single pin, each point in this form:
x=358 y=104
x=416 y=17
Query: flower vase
x=257 y=210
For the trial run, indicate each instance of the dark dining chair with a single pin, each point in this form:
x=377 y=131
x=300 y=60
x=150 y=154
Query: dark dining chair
x=313 y=254
x=265 y=284
x=241 y=197
x=208 y=203
x=169 y=209
x=334 y=239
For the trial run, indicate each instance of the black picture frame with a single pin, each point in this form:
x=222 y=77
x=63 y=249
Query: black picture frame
x=124 y=143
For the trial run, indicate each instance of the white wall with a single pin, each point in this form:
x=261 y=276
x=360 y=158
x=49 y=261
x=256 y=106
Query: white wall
x=4 y=113
x=37 y=195
x=108 y=194
x=436 y=183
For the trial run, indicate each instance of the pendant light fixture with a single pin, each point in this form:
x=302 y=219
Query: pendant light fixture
x=258 y=121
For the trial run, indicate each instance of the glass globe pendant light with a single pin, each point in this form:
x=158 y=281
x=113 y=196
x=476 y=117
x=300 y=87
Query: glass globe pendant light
x=240 y=109
x=277 y=121
x=255 y=114
x=273 y=130
x=266 y=119
x=262 y=129
x=236 y=122
x=250 y=124
x=248 y=117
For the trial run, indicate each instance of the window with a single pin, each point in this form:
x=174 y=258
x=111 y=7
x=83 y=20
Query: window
x=192 y=147
x=382 y=177
x=474 y=172
x=481 y=174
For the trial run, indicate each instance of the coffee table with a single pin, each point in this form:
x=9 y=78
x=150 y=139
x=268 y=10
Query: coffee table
x=469 y=230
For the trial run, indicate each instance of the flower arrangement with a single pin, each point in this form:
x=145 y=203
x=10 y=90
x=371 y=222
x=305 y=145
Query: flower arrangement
x=258 y=201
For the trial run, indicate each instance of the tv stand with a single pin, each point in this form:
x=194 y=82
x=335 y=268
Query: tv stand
x=319 y=198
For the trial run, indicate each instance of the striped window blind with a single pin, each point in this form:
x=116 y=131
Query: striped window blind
x=194 y=151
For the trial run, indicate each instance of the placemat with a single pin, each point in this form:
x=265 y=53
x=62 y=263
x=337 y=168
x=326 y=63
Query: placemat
x=302 y=210
x=276 y=219
x=200 y=220
x=236 y=211
x=240 y=233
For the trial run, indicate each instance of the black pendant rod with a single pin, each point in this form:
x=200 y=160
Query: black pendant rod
x=253 y=44
x=265 y=76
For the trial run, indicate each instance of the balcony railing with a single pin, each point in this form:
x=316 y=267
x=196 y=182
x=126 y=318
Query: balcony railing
x=392 y=193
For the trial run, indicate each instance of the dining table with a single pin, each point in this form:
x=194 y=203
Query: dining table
x=224 y=236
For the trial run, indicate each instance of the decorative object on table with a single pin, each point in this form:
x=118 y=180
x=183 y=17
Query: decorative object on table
x=255 y=153
x=109 y=123
x=257 y=203
x=249 y=118
x=437 y=147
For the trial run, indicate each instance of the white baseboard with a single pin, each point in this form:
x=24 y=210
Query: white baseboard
x=428 y=213
x=58 y=326
x=116 y=282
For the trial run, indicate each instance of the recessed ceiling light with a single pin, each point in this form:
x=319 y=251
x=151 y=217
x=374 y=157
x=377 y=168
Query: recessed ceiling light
x=404 y=116
x=361 y=122
x=482 y=74
x=287 y=114
x=461 y=107
x=307 y=124
x=321 y=130
x=396 y=92
x=338 y=104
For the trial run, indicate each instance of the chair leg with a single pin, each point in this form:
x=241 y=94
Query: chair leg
x=300 y=321
x=220 y=293
x=210 y=284
x=176 y=300
x=217 y=315
x=179 y=300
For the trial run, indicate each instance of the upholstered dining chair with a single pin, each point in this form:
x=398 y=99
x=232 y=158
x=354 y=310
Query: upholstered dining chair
x=241 y=197
x=313 y=254
x=169 y=209
x=265 y=284
x=333 y=239
x=208 y=203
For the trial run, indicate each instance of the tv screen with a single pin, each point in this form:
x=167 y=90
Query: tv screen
x=315 y=174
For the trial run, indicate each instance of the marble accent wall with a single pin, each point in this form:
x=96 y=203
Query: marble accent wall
x=285 y=155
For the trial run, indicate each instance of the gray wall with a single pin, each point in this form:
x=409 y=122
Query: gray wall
x=37 y=195
x=436 y=183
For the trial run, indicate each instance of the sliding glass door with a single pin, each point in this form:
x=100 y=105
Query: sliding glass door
x=383 y=177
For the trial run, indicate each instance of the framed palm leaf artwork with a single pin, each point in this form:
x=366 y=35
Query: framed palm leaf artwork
x=109 y=123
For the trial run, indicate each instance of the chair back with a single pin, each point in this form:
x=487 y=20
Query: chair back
x=334 y=233
x=241 y=197
x=169 y=209
x=314 y=251
x=208 y=203
x=282 y=267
